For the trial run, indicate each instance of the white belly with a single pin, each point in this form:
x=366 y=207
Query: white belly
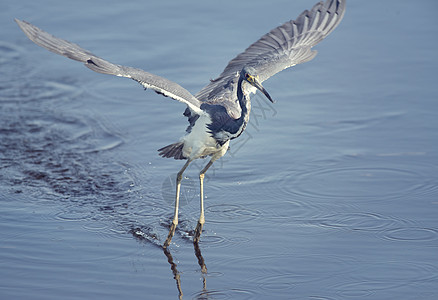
x=199 y=142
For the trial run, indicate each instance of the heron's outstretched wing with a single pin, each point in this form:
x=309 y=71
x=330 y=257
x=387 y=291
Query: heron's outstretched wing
x=65 y=48
x=285 y=46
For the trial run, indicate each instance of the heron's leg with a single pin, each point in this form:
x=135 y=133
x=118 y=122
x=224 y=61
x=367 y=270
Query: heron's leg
x=201 y=221
x=175 y=216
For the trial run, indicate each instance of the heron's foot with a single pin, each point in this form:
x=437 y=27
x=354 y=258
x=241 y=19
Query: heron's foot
x=170 y=235
x=198 y=232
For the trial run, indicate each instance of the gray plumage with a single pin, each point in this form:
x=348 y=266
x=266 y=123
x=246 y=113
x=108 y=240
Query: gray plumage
x=73 y=51
x=220 y=111
x=283 y=47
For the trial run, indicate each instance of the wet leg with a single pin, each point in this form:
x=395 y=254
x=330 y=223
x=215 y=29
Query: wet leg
x=201 y=221
x=175 y=216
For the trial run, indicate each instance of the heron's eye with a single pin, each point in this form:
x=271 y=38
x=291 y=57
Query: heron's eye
x=247 y=75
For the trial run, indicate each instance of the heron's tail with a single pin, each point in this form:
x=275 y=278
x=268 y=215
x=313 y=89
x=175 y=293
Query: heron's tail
x=174 y=150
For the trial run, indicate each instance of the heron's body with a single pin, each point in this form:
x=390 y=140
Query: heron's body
x=199 y=142
x=220 y=111
x=211 y=130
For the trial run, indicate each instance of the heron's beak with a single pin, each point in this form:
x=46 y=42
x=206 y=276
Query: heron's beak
x=256 y=83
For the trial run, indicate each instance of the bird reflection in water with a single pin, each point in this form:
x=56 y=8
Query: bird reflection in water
x=145 y=236
x=176 y=273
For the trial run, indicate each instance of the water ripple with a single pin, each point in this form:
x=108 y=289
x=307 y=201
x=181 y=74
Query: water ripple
x=292 y=271
x=292 y=211
x=353 y=182
x=386 y=275
x=277 y=274
x=358 y=221
x=225 y=294
x=410 y=234
x=49 y=153
x=9 y=52
x=74 y=214
x=214 y=240
x=39 y=91
x=230 y=213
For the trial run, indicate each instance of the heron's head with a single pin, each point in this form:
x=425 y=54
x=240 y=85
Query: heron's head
x=248 y=74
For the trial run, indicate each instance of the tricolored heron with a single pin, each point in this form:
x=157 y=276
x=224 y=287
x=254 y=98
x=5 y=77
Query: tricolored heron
x=220 y=111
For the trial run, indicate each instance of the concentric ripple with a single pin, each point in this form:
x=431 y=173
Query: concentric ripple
x=359 y=221
x=225 y=294
x=411 y=234
x=358 y=183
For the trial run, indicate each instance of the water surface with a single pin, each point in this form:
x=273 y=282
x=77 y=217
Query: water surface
x=331 y=193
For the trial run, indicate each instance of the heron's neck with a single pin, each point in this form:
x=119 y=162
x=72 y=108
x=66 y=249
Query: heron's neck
x=244 y=102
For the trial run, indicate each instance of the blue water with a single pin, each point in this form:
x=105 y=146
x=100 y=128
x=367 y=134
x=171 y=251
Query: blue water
x=331 y=193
